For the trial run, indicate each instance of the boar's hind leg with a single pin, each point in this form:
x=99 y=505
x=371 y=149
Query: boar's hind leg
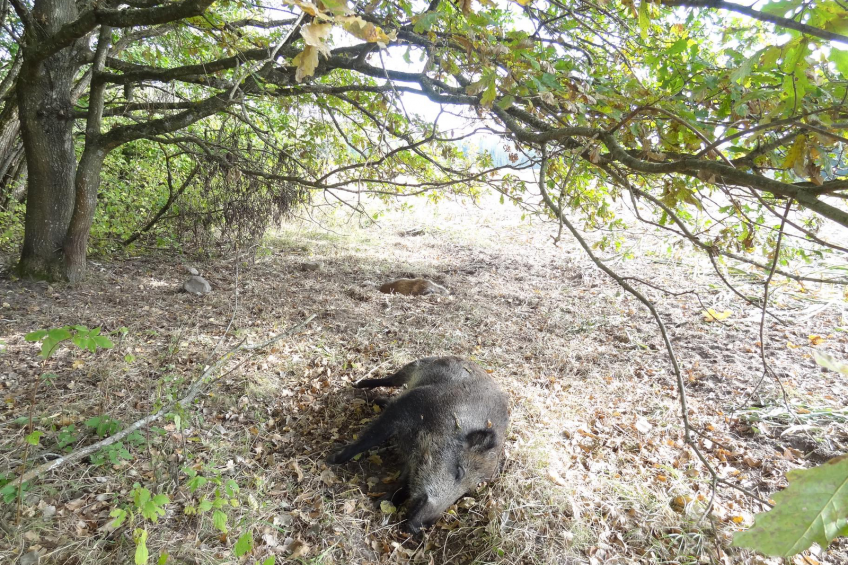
x=398 y=379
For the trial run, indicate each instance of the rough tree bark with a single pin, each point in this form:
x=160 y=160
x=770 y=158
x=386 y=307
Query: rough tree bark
x=46 y=117
x=62 y=197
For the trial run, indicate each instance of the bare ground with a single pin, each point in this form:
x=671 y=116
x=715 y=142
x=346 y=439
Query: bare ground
x=596 y=469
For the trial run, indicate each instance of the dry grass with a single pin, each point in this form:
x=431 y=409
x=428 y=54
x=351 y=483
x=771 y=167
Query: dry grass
x=596 y=470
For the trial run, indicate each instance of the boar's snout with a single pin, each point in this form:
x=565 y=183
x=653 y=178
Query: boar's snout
x=423 y=515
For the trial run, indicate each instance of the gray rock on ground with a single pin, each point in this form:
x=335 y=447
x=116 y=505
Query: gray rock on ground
x=197 y=285
x=29 y=558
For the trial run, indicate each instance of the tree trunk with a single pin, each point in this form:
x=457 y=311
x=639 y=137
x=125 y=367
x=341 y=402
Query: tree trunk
x=11 y=150
x=87 y=186
x=46 y=117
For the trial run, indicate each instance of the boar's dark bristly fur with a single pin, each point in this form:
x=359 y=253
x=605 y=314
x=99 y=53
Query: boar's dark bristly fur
x=449 y=427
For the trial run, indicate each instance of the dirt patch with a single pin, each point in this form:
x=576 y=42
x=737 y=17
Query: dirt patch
x=596 y=469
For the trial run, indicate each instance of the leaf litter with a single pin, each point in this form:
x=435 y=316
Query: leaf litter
x=595 y=467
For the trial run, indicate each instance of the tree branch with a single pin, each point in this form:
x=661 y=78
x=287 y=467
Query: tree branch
x=758 y=15
x=90 y=19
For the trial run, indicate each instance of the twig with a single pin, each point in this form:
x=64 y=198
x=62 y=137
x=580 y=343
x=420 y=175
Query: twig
x=193 y=391
x=678 y=374
x=767 y=370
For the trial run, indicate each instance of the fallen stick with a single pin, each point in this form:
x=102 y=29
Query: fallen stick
x=193 y=391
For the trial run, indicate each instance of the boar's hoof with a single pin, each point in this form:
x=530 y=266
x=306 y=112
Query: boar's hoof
x=337 y=457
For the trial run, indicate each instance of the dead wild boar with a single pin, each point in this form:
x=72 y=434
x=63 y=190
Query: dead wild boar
x=413 y=287
x=449 y=427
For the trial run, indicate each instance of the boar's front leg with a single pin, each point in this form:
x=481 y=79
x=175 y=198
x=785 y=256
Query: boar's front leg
x=394 y=418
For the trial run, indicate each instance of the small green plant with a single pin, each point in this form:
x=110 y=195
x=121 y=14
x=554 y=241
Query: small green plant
x=80 y=336
x=103 y=425
x=66 y=436
x=51 y=339
x=142 y=506
x=244 y=544
x=218 y=501
x=116 y=452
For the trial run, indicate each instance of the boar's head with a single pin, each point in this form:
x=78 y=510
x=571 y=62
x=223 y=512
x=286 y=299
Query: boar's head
x=442 y=469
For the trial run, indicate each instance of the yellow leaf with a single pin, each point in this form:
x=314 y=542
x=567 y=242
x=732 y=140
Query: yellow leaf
x=366 y=31
x=306 y=62
x=737 y=519
x=791 y=345
x=523 y=2
x=79 y=363
x=315 y=34
x=711 y=315
x=795 y=152
x=387 y=507
x=816 y=340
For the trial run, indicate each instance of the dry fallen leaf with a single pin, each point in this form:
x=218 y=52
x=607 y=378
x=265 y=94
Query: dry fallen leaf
x=327 y=477
x=296 y=468
x=711 y=315
x=298 y=548
x=642 y=425
x=816 y=340
x=555 y=477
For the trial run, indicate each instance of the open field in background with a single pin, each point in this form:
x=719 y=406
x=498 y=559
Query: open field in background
x=595 y=472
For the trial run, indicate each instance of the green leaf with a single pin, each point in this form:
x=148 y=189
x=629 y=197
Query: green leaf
x=780 y=8
x=48 y=346
x=59 y=334
x=644 y=19
x=196 y=482
x=829 y=362
x=142 y=495
x=141 y=553
x=36 y=335
x=488 y=95
x=81 y=341
x=270 y=561
x=34 y=437
x=839 y=58
x=812 y=509
x=744 y=70
x=119 y=515
x=205 y=506
x=163 y=558
x=505 y=102
x=244 y=544
x=219 y=519
x=678 y=46
x=103 y=342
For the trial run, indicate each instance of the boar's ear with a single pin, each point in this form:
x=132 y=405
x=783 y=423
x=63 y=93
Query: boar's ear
x=481 y=440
